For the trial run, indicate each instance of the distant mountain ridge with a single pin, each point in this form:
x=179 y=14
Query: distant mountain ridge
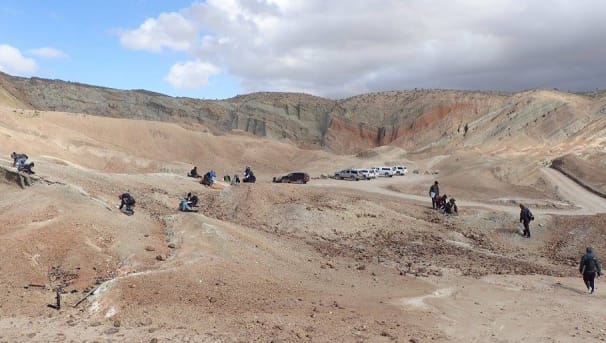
x=414 y=120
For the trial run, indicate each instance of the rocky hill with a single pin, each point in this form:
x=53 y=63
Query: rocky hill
x=414 y=120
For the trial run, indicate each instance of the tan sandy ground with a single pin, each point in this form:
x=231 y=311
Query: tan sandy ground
x=332 y=261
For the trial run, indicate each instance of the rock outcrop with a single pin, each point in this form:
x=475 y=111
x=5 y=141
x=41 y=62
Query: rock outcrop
x=414 y=120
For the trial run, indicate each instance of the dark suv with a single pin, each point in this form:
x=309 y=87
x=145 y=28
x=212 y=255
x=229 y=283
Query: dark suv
x=293 y=178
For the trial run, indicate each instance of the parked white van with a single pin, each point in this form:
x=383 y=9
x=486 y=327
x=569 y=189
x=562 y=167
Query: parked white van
x=384 y=171
x=400 y=170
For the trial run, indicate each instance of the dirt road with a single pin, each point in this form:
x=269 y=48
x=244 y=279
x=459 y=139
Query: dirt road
x=587 y=202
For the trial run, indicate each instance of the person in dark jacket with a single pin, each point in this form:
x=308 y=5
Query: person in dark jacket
x=127 y=200
x=249 y=176
x=27 y=168
x=194 y=173
x=451 y=207
x=434 y=193
x=590 y=267
x=192 y=200
x=442 y=201
x=525 y=218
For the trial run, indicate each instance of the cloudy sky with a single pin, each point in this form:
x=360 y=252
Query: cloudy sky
x=336 y=48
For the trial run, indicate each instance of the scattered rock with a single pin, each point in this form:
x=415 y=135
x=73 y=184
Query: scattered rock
x=160 y=257
x=153 y=340
x=212 y=300
x=116 y=323
x=111 y=331
x=361 y=267
x=150 y=248
x=146 y=322
x=93 y=324
x=172 y=245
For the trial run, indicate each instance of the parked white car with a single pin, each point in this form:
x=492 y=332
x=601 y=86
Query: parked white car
x=400 y=170
x=385 y=171
x=368 y=173
x=350 y=174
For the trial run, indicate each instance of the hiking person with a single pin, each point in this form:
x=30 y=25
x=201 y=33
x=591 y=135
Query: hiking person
x=451 y=207
x=194 y=173
x=185 y=207
x=235 y=180
x=27 y=168
x=192 y=200
x=525 y=218
x=127 y=201
x=434 y=193
x=249 y=176
x=590 y=267
x=18 y=160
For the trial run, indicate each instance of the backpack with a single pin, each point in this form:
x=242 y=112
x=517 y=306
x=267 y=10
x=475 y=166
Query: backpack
x=591 y=265
x=530 y=215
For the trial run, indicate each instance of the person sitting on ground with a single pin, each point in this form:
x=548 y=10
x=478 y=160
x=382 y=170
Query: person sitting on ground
x=192 y=200
x=441 y=202
x=18 y=160
x=194 y=173
x=235 y=180
x=451 y=207
x=249 y=176
x=27 y=168
x=185 y=207
x=207 y=180
x=213 y=176
x=127 y=200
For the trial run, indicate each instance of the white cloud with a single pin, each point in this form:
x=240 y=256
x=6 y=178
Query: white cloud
x=169 y=30
x=191 y=75
x=13 y=62
x=48 y=52
x=341 y=47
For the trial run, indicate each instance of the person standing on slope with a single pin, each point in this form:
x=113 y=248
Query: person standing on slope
x=590 y=267
x=434 y=193
x=525 y=218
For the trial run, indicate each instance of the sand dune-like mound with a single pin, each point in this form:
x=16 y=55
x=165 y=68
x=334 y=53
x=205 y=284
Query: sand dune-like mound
x=332 y=260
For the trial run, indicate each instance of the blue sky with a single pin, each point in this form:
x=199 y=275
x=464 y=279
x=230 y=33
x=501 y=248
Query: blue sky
x=221 y=48
x=86 y=31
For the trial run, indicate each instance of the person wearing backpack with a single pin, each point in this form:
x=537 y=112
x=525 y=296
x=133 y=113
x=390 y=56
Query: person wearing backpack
x=525 y=218
x=590 y=267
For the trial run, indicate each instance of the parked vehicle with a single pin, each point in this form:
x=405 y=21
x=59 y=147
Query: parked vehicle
x=385 y=171
x=297 y=177
x=400 y=170
x=350 y=174
x=367 y=173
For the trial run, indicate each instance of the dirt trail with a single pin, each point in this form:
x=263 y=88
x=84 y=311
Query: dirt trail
x=587 y=202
